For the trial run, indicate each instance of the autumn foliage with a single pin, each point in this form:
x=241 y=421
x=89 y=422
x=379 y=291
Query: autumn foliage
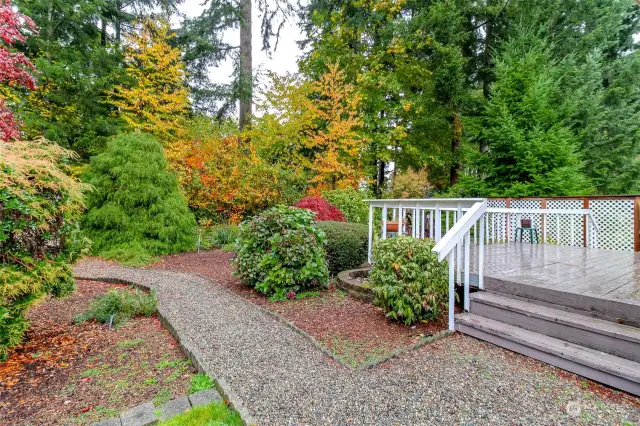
x=158 y=100
x=324 y=210
x=16 y=70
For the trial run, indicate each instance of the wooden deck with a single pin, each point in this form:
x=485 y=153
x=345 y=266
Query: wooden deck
x=603 y=283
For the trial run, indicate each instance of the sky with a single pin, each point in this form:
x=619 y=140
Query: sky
x=283 y=60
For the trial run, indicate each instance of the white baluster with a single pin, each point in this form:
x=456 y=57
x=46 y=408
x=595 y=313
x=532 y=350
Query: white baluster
x=452 y=293
x=467 y=243
x=481 y=256
x=384 y=221
x=370 y=232
x=459 y=251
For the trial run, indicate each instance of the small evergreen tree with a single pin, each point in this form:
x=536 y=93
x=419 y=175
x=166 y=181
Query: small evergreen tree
x=136 y=210
x=531 y=150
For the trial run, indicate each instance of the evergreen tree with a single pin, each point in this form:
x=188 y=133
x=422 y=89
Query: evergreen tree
x=136 y=210
x=531 y=152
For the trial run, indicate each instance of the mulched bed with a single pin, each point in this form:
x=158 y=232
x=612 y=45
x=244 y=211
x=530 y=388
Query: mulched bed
x=355 y=330
x=67 y=373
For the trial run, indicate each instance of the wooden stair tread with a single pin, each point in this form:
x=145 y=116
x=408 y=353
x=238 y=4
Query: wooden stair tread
x=592 y=324
x=591 y=358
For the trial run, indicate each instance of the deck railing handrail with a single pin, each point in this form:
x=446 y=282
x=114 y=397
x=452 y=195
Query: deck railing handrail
x=457 y=232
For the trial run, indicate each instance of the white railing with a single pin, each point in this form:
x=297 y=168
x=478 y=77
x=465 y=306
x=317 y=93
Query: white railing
x=467 y=221
x=429 y=214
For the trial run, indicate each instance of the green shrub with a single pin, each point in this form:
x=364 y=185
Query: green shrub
x=122 y=304
x=39 y=205
x=351 y=203
x=281 y=251
x=136 y=210
x=200 y=382
x=346 y=245
x=407 y=280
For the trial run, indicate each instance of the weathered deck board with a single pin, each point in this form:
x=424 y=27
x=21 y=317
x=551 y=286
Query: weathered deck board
x=592 y=272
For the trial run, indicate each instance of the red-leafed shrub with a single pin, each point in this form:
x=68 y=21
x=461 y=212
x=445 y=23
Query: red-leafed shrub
x=324 y=210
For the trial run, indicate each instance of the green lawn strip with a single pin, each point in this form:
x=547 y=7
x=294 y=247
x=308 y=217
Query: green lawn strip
x=214 y=414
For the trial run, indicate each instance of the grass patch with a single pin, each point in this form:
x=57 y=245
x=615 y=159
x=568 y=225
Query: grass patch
x=200 y=382
x=125 y=344
x=215 y=414
x=122 y=304
x=91 y=372
x=162 y=397
x=307 y=294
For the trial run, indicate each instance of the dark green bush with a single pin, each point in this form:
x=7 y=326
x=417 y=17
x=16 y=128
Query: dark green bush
x=39 y=207
x=281 y=251
x=136 y=210
x=122 y=304
x=346 y=245
x=407 y=280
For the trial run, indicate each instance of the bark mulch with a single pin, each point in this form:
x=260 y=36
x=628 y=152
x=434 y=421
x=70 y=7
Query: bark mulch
x=355 y=330
x=67 y=373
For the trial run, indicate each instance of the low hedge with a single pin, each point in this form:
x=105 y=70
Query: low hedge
x=346 y=245
x=407 y=280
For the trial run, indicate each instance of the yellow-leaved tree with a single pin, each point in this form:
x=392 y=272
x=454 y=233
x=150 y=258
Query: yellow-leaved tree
x=156 y=101
x=313 y=127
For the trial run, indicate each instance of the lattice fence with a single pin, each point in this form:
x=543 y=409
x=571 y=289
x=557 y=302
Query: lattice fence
x=615 y=220
x=614 y=216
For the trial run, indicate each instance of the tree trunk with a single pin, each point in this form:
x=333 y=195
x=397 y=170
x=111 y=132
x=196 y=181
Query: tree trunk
x=246 y=71
x=456 y=136
x=103 y=32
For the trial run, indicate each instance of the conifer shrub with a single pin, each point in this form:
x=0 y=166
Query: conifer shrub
x=280 y=252
x=407 y=280
x=346 y=245
x=136 y=210
x=39 y=237
x=122 y=304
x=323 y=209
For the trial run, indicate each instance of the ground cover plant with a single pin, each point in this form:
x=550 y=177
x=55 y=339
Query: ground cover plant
x=136 y=210
x=79 y=373
x=280 y=252
x=117 y=306
x=215 y=414
x=407 y=280
x=346 y=245
x=39 y=205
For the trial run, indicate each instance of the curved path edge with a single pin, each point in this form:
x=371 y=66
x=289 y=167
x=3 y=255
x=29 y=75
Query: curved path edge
x=188 y=349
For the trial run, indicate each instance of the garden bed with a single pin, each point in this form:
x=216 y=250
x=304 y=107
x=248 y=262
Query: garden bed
x=67 y=373
x=357 y=332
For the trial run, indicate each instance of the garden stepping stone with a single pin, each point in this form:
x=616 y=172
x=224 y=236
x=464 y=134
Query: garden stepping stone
x=174 y=407
x=110 y=422
x=142 y=415
x=204 y=397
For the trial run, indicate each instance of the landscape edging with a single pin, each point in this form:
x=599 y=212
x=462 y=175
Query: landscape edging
x=192 y=353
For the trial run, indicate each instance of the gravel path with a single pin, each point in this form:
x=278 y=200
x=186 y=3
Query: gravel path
x=283 y=379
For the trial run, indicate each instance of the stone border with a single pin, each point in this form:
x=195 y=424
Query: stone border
x=190 y=352
x=347 y=282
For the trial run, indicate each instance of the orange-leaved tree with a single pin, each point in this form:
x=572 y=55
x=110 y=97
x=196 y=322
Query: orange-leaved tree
x=313 y=127
x=222 y=175
x=156 y=101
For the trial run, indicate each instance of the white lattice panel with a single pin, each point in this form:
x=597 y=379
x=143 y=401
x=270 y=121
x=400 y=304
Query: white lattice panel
x=615 y=222
x=495 y=223
x=565 y=229
x=535 y=218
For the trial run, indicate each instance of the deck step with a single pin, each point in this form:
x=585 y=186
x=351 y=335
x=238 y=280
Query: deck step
x=609 y=369
x=606 y=336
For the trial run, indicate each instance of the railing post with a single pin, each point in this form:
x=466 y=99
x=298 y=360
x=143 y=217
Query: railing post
x=467 y=243
x=370 y=233
x=459 y=250
x=636 y=224
x=452 y=295
x=400 y=216
x=481 y=255
x=438 y=223
x=384 y=221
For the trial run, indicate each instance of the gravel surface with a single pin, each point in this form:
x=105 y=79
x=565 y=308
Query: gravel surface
x=283 y=379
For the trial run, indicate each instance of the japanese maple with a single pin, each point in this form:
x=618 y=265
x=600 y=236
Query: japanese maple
x=324 y=210
x=16 y=70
